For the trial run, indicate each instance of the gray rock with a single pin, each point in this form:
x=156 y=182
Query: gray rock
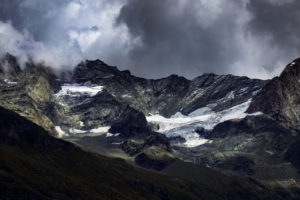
x=281 y=96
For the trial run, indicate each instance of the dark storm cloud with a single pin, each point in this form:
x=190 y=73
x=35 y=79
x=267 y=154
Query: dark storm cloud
x=155 y=38
x=185 y=37
x=255 y=38
x=281 y=20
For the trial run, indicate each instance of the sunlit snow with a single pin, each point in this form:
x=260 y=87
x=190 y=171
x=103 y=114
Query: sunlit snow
x=79 y=90
x=185 y=125
x=94 y=132
x=76 y=131
x=60 y=132
x=112 y=135
x=100 y=129
x=81 y=123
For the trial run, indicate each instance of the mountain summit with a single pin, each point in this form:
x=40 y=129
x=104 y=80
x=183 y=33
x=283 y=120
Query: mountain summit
x=281 y=96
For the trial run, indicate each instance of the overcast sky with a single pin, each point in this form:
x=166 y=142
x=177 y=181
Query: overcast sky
x=155 y=38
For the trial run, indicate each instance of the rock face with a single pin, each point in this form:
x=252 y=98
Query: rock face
x=172 y=94
x=28 y=92
x=86 y=113
x=281 y=96
x=131 y=123
x=220 y=92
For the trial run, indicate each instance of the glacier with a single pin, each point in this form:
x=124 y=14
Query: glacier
x=185 y=125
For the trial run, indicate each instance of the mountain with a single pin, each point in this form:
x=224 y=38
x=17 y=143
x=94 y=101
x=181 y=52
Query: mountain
x=96 y=98
x=222 y=125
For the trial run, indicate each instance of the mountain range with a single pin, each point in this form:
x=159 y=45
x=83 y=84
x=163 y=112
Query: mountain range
x=100 y=133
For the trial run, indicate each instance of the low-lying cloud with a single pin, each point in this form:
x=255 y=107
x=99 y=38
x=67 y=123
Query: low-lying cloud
x=60 y=33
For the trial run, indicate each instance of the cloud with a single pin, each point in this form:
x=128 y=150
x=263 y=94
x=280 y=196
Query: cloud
x=155 y=38
x=279 y=20
x=23 y=46
x=61 y=33
x=192 y=37
x=182 y=37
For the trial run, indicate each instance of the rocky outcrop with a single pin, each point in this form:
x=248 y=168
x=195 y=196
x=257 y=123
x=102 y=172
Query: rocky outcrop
x=135 y=145
x=251 y=124
x=154 y=158
x=151 y=150
x=281 y=96
x=86 y=113
x=293 y=154
x=219 y=92
x=131 y=123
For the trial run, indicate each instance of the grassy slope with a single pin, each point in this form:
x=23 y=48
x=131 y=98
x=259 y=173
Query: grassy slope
x=34 y=165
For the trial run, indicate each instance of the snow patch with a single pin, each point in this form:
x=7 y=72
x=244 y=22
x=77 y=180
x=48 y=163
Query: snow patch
x=109 y=134
x=256 y=114
x=60 y=132
x=76 y=90
x=126 y=96
x=93 y=132
x=81 y=123
x=117 y=143
x=112 y=135
x=243 y=89
x=10 y=82
x=195 y=142
x=76 y=131
x=229 y=96
x=100 y=129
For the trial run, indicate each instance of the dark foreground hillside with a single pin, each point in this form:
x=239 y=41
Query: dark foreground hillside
x=34 y=165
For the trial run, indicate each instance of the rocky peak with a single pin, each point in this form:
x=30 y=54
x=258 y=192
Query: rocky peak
x=95 y=71
x=167 y=96
x=292 y=69
x=281 y=96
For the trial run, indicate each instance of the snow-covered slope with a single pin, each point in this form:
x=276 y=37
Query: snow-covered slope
x=185 y=125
